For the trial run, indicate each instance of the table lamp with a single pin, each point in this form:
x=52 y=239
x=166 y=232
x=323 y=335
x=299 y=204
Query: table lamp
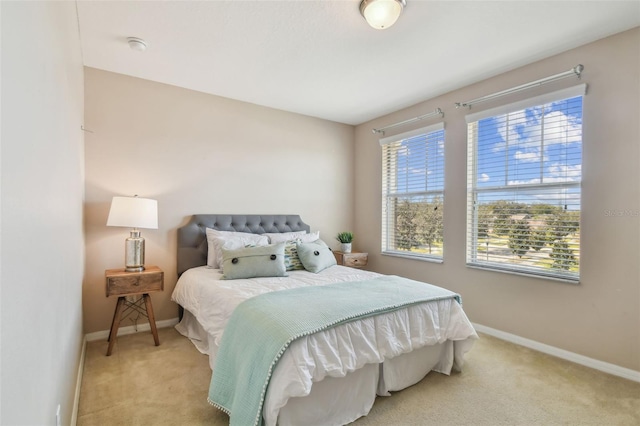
x=134 y=212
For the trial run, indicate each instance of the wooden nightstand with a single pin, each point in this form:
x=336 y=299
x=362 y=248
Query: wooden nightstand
x=121 y=283
x=354 y=260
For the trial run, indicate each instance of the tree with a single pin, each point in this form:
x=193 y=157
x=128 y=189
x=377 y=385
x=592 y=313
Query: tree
x=485 y=216
x=539 y=238
x=541 y=209
x=519 y=237
x=563 y=223
x=418 y=223
x=430 y=222
x=503 y=212
x=562 y=255
x=406 y=226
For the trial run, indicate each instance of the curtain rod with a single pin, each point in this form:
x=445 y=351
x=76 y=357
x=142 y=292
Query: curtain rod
x=433 y=113
x=577 y=70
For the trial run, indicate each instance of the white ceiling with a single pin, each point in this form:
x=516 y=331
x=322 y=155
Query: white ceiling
x=320 y=58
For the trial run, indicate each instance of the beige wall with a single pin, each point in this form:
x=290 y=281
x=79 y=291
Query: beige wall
x=42 y=260
x=198 y=153
x=600 y=318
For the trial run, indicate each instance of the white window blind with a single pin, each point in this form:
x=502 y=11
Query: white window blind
x=524 y=178
x=413 y=193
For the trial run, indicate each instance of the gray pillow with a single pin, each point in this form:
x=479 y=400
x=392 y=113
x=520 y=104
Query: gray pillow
x=252 y=262
x=316 y=256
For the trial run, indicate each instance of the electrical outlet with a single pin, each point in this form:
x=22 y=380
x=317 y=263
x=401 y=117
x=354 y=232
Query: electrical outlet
x=58 y=416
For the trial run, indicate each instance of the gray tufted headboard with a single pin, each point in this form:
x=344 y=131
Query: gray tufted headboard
x=192 y=238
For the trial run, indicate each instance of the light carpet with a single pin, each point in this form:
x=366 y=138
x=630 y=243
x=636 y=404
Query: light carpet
x=501 y=384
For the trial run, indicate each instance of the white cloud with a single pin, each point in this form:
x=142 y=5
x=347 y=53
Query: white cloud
x=484 y=177
x=526 y=129
x=555 y=173
x=524 y=182
x=563 y=173
x=531 y=156
x=417 y=170
x=562 y=196
x=561 y=128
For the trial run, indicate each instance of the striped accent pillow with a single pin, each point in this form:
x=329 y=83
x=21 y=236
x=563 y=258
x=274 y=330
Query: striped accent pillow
x=291 y=260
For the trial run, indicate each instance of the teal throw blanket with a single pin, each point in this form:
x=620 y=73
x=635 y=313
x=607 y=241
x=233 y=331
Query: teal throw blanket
x=261 y=328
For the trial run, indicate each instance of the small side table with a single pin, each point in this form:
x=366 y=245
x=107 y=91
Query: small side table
x=122 y=284
x=354 y=260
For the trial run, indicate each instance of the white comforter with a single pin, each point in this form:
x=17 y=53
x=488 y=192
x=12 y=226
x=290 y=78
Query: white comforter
x=333 y=352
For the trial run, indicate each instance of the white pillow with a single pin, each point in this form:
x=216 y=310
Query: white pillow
x=310 y=237
x=234 y=243
x=244 y=237
x=283 y=237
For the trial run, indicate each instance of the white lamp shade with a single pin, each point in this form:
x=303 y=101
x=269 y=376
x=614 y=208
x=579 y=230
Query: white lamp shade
x=381 y=14
x=133 y=212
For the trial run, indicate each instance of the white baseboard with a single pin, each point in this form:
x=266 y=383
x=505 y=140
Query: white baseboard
x=606 y=367
x=122 y=331
x=76 y=399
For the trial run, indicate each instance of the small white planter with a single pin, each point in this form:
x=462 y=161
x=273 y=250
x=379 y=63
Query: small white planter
x=345 y=247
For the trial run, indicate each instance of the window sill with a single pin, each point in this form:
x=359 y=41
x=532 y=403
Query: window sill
x=413 y=257
x=524 y=274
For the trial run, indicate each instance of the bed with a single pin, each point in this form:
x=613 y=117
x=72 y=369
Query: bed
x=329 y=377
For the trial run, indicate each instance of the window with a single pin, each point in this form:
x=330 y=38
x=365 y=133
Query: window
x=413 y=193
x=524 y=176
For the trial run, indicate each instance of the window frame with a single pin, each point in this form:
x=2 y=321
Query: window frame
x=472 y=253
x=387 y=228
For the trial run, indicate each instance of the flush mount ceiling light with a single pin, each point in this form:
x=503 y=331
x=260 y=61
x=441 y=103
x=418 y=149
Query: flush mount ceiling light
x=381 y=14
x=137 y=44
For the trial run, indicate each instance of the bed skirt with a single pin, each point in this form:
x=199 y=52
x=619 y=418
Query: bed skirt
x=341 y=400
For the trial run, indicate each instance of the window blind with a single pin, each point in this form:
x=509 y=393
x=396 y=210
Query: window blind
x=413 y=193
x=524 y=186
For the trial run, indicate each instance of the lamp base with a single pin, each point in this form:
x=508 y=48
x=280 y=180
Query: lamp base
x=134 y=252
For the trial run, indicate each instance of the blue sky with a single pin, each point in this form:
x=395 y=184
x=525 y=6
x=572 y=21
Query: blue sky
x=533 y=146
x=539 y=145
x=420 y=165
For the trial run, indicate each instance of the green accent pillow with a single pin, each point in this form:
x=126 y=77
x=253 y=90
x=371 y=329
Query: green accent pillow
x=316 y=256
x=291 y=259
x=252 y=262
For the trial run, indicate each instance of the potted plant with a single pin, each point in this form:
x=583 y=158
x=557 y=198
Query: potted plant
x=345 y=238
